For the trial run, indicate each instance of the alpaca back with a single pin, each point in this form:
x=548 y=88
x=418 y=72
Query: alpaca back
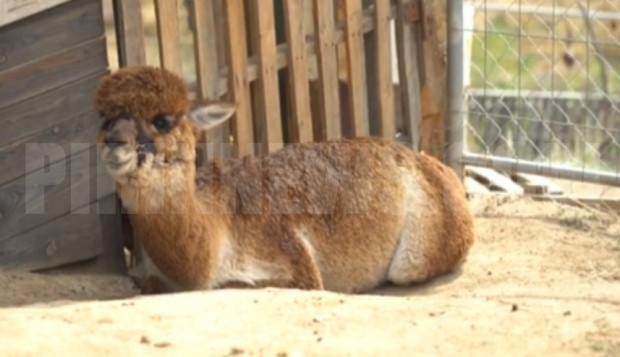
x=348 y=199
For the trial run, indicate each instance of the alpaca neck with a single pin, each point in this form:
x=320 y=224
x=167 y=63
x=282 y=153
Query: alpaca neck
x=175 y=229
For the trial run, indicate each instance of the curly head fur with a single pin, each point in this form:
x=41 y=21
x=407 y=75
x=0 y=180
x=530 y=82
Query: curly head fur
x=147 y=121
x=142 y=91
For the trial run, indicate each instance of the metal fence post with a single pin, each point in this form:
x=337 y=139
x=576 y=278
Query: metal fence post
x=455 y=128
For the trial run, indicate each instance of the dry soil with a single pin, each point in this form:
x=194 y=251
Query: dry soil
x=542 y=280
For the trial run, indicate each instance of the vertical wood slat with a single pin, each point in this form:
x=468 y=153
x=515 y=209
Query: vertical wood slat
x=327 y=58
x=205 y=50
x=435 y=125
x=372 y=76
x=169 y=35
x=383 y=70
x=239 y=86
x=129 y=32
x=269 y=128
x=207 y=72
x=409 y=79
x=300 y=122
x=131 y=51
x=356 y=71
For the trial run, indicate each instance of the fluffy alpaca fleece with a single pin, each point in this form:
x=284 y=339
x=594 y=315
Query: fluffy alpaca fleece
x=345 y=215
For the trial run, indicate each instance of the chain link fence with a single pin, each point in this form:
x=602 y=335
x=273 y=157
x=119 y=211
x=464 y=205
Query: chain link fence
x=540 y=86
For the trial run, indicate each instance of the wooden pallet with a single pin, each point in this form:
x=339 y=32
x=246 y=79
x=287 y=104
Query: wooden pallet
x=482 y=179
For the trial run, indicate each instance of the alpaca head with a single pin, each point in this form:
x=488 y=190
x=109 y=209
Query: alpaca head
x=147 y=123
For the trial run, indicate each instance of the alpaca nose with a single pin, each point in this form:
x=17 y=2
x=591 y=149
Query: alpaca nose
x=113 y=143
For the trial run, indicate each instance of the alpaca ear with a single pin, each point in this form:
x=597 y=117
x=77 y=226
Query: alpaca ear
x=211 y=115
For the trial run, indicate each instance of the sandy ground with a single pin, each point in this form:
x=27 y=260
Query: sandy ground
x=542 y=280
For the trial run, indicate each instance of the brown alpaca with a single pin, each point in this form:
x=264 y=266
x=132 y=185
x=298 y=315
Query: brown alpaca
x=343 y=215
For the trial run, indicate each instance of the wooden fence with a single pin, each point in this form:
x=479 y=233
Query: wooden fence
x=298 y=70
x=286 y=64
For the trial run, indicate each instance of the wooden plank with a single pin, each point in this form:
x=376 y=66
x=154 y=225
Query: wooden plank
x=111 y=260
x=15 y=10
x=408 y=71
x=33 y=78
x=493 y=179
x=473 y=186
x=129 y=32
x=67 y=239
x=239 y=85
x=25 y=119
x=50 y=192
x=356 y=72
x=269 y=129
x=207 y=70
x=205 y=48
x=328 y=110
x=434 y=78
x=372 y=84
x=169 y=35
x=300 y=121
x=537 y=184
x=78 y=129
x=383 y=70
x=40 y=36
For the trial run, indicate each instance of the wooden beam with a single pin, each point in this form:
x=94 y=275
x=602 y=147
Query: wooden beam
x=300 y=122
x=383 y=70
x=15 y=10
x=238 y=81
x=432 y=58
x=409 y=74
x=129 y=32
x=169 y=35
x=207 y=72
x=356 y=70
x=328 y=110
x=269 y=125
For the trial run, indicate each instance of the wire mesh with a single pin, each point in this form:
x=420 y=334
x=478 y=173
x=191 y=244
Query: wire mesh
x=542 y=82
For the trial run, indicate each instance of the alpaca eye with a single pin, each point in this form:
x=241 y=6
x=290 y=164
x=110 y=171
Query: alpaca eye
x=163 y=123
x=107 y=125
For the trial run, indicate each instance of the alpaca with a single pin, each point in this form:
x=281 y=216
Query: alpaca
x=344 y=215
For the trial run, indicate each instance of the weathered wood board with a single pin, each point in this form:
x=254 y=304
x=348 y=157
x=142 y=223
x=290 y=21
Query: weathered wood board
x=50 y=192
x=50 y=175
x=14 y=10
x=494 y=179
x=37 y=77
x=49 y=32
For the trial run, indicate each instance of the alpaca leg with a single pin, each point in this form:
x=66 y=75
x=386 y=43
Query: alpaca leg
x=148 y=278
x=305 y=273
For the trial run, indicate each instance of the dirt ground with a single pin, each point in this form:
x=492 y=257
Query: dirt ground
x=542 y=280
